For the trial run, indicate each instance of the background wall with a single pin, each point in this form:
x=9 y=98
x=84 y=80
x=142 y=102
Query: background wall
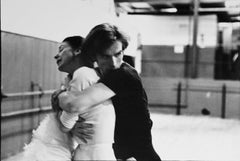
x=196 y=94
x=54 y=19
x=164 y=61
x=26 y=61
x=173 y=30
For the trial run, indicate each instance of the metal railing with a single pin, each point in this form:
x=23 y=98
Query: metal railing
x=223 y=90
x=23 y=94
x=20 y=113
x=31 y=93
x=179 y=89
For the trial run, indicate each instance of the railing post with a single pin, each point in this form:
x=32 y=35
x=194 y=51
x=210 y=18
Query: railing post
x=179 y=88
x=3 y=95
x=223 y=111
x=31 y=90
x=39 y=97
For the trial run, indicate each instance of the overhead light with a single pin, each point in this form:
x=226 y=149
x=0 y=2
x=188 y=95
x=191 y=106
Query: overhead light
x=140 y=5
x=126 y=6
x=232 y=3
x=236 y=18
x=227 y=9
x=178 y=49
x=170 y=10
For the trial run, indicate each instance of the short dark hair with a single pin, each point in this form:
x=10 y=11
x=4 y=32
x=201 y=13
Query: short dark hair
x=74 y=41
x=101 y=37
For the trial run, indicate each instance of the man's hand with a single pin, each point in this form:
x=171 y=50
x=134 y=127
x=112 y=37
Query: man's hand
x=55 y=101
x=82 y=130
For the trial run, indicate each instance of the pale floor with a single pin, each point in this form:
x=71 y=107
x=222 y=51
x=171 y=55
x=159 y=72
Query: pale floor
x=193 y=138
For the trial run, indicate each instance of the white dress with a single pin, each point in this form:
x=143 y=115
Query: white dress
x=50 y=144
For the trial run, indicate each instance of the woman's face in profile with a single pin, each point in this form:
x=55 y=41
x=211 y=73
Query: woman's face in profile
x=64 y=56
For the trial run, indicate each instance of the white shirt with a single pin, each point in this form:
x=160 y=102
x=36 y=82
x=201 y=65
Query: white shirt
x=101 y=116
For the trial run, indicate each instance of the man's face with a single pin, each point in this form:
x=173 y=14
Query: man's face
x=64 y=56
x=112 y=58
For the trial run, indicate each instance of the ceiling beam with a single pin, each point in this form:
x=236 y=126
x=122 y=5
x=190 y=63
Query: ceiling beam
x=172 y=1
x=155 y=1
x=236 y=10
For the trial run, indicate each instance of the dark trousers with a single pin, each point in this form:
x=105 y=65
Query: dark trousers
x=140 y=152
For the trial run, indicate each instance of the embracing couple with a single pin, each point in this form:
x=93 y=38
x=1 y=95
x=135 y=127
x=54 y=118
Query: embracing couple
x=102 y=113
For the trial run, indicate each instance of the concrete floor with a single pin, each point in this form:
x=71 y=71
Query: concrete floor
x=192 y=138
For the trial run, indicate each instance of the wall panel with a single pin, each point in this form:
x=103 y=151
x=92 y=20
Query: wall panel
x=24 y=60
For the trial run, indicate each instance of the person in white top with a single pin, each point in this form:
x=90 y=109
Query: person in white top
x=106 y=43
x=102 y=117
x=65 y=140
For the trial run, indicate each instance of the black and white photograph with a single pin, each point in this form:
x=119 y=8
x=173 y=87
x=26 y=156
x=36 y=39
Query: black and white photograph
x=120 y=80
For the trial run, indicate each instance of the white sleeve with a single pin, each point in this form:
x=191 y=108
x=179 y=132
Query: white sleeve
x=82 y=78
x=68 y=119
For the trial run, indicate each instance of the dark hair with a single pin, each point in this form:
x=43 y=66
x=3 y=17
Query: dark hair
x=101 y=37
x=74 y=41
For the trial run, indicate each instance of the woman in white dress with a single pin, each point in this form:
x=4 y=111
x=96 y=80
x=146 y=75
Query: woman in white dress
x=58 y=138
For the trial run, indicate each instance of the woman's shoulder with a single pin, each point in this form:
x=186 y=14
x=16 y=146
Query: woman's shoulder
x=84 y=71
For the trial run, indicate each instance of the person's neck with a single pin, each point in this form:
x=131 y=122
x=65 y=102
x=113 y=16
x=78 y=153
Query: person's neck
x=75 y=65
